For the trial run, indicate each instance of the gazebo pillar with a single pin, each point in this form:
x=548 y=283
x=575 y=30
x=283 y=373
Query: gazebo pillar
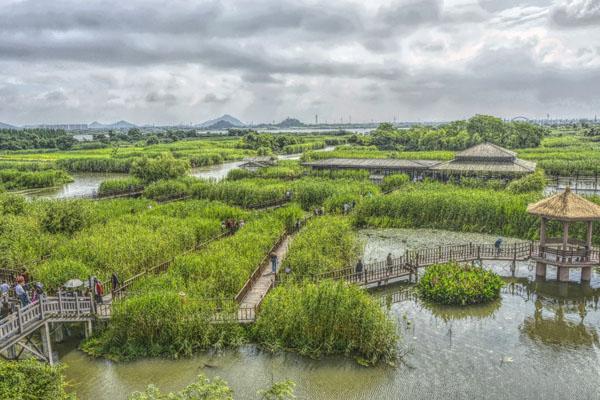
x=563 y=272
x=586 y=272
x=540 y=267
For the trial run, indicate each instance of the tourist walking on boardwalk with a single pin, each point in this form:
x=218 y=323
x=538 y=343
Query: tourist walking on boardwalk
x=98 y=290
x=274 y=263
x=4 y=288
x=497 y=245
x=389 y=263
x=20 y=291
x=38 y=292
x=359 y=268
x=114 y=279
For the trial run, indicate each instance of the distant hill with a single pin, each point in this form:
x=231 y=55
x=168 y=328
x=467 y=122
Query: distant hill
x=233 y=122
x=117 y=125
x=222 y=124
x=6 y=126
x=289 y=122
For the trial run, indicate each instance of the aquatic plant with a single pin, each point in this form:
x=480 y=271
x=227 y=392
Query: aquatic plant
x=535 y=182
x=30 y=379
x=13 y=179
x=115 y=186
x=165 y=166
x=455 y=284
x=325 y=319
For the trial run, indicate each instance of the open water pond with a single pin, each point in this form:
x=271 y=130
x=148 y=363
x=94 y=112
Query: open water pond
x=539 y=341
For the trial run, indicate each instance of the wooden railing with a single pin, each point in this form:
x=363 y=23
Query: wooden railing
x=27 y=319
x=125 y=286
x=257 y=271
x=413 y=259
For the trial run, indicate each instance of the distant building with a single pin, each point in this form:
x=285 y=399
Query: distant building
x=485 y=160
x=66 y=127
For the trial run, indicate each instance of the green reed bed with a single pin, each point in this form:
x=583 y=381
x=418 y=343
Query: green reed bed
x=327 y=318
x=326 y=243
x=16 y=179
x=133 y=242
x=169 y=315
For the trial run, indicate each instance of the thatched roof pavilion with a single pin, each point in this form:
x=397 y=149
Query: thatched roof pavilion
x=566 y=206
x=565 y=252
x=486 y=159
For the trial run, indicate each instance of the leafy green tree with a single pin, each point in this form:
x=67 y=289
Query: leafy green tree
x=152 y=139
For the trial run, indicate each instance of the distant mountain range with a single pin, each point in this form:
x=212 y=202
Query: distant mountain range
x=224 y=122
x=6 y=126
x=117 y=125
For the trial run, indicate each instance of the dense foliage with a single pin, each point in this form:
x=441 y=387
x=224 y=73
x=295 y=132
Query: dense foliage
x=325 y=244
x=459 y=135
x=455 y=284
x=21 y=139
x=30 y=379
x=324 y=319
x=451 y=207
x=535 y=182
x=15 y=179
x=165 y=166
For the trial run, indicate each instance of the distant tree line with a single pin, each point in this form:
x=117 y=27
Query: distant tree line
x=457 y=135
x=39 y=138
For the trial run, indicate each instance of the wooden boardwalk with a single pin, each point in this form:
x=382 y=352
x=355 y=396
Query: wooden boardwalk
x=17 y=328
x=265 y=278
x=406 y=266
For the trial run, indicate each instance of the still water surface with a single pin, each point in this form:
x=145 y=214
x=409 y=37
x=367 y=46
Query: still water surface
x=539 y=341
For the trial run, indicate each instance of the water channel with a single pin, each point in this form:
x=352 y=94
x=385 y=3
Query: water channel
x=85 y=184
x=539 y=341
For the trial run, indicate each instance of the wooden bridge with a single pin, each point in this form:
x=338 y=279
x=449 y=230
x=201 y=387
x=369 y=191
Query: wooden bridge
x=406 y=266
x=18 y=329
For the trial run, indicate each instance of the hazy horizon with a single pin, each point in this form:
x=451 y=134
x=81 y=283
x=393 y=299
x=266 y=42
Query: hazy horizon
x=66 y=61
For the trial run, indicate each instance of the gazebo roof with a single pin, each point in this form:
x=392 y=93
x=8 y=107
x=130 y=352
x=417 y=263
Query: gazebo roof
x=566 y=206
x=486 y=151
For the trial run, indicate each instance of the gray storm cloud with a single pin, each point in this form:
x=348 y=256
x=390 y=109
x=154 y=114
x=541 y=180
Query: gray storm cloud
x=71 y=61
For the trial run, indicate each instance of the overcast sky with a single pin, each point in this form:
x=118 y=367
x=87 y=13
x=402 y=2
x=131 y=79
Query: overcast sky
x=183 y=61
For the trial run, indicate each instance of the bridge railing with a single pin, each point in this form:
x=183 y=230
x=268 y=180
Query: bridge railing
x=33 y=314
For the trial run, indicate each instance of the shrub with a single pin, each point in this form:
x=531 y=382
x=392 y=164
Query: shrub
x=535 y=182
x=325 y=319
x=454 y=284
x=167 y=189
x=30 y=379
x=12 y=204
x=393 y=182
x=165 y=166
x=66 y=216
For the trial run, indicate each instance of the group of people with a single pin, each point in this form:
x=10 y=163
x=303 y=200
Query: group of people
x=389 y=266
x=24 y=291
x=232 y=225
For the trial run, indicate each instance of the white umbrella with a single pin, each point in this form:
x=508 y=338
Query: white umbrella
x=73 y=284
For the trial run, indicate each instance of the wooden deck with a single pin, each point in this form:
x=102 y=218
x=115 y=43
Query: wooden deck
x=17 y=327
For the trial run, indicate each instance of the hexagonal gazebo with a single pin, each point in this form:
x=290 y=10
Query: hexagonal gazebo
x=565 y=253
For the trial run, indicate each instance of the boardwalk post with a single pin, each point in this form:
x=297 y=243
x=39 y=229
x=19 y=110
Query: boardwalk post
x=46 y=343
x=19 y=320
x=77 y=303
x=60 y=304
x=41 y=305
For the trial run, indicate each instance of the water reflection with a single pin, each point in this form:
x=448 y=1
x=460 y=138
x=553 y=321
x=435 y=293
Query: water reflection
x=557 y=330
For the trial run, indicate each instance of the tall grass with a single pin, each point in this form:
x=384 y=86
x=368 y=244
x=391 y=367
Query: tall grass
x=325 y=319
